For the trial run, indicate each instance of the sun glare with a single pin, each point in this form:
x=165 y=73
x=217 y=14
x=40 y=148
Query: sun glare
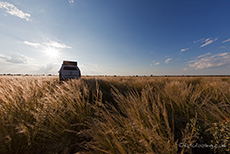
x=51 y=52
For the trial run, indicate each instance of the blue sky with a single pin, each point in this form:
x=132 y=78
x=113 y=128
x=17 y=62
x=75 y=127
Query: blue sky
x=122 y=37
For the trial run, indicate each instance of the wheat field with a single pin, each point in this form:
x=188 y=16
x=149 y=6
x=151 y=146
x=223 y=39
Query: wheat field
x=114 y=115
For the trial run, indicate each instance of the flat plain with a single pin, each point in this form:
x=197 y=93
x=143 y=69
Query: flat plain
x=114 y=115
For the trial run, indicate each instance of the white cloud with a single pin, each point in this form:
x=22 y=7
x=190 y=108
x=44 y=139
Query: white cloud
x=15 y=58
x=168 y=60
x=198 y=41
x=32 y=44
x=14 y=11
x=185 y=69
x=206 y=61
x=157 y=63
x=71 y=1
x=204 y=55
x=95 y=69
x=55 y=44
x=48 y=44
x=91 y=65
x=48 y=68
x=21 y=64
x=228 y=40
x=183 y=50
x=208 y=41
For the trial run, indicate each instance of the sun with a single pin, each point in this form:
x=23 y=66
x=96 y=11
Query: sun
x=51 y=52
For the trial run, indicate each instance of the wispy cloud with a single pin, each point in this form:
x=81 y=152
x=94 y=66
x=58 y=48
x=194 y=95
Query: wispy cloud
x=91 y=65
x=168 y=60
x=208 y=41
x=48 y=68
x=32 y=44
x=228 y=40
x=154 y=63
x=55 y=44
x=14 y=11
x=15 y=58
x=204 y=55
x=89 y=68
x=207 y=61
x=21 y=64
x=71 y=1
x=185 y=69
x=205 y=41
x=183 y=50
x=48 y=44
x=200 y=40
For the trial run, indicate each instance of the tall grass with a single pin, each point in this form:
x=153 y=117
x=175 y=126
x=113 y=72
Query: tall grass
x=115 y=115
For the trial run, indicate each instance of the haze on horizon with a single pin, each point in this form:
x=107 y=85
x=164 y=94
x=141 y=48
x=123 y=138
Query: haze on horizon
x=122 y=37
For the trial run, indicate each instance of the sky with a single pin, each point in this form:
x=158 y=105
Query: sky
x=116 y=37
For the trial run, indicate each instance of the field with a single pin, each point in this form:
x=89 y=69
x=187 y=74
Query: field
x=114 y=115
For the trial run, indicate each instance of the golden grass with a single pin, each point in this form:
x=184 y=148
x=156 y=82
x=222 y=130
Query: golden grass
x=114 y=115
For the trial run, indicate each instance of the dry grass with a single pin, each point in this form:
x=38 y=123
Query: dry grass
x=114 y=115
